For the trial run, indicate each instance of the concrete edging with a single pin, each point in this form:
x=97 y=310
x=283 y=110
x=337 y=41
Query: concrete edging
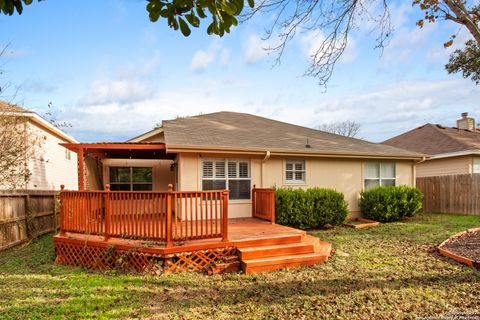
x=367 y=223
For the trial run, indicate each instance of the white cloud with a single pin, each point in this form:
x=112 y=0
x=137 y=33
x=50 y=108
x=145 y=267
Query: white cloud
x=202 y=59
x=224 y=57
x=311 y=41
x=397 y=107
x=255 y=50
x=121 y=91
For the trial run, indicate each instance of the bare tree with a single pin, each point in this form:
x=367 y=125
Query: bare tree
x=19 y=142
x=345 y=128
x=334 y=20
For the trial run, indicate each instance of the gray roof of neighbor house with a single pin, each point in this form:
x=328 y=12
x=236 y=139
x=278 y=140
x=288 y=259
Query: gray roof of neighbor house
x=242 y=132
x=434 y=139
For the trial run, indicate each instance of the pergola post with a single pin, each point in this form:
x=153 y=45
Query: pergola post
x=81 y=169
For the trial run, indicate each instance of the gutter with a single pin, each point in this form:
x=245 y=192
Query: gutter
x=414 y=170
x=289 y=153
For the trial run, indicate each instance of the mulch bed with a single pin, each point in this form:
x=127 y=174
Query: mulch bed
x=467 y=245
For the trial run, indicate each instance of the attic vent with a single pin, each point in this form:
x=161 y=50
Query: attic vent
x=307 y=145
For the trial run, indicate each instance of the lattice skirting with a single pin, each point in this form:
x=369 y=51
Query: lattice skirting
x=200 y=260
x=134 y=260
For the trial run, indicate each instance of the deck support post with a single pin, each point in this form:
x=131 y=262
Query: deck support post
x=107 y=212
x=62 y=212
x=225 y=217
x=169 y=216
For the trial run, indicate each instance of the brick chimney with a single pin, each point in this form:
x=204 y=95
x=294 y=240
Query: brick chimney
x=466 y=122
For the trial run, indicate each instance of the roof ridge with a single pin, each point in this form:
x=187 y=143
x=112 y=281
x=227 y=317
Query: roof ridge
x=451 y=138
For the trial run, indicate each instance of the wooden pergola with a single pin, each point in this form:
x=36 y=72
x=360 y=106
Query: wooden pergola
x=116 y=150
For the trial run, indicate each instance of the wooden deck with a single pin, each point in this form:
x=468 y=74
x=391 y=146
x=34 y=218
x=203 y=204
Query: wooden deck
x=258 y=245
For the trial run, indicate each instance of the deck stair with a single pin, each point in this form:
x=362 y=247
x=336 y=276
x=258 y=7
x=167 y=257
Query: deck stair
x=282 y=252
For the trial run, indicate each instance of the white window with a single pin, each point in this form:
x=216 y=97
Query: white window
x=379 y=174
x=476 y=165
x=231 y=174
x=68 y=154
x=295 y=171
x=130 y=179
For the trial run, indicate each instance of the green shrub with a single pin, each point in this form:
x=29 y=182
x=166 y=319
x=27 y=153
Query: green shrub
x=388 y=204
x=311 y=208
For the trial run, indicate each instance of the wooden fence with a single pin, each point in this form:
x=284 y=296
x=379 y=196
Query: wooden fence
x=451 y=194
x=26 y=214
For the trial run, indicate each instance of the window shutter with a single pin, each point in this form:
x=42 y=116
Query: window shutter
x=208 y=169
x=232 y=169
x=219 y=169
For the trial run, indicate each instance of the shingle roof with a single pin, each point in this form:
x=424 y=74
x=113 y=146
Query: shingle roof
x=233 y=130
x=435 y=139
x=8 y=107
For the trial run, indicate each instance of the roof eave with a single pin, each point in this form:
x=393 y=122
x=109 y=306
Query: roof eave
x=455 y=154
x=286 y=152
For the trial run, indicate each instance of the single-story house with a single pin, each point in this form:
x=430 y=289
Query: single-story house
x=235 y=151
x=51 y=165
x=451 y=151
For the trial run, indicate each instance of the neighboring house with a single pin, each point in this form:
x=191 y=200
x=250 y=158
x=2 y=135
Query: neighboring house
x=235 y=151
x=452 y=150
x=52 y=164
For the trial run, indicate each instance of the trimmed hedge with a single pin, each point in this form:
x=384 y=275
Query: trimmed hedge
x=311 y=208
x=386 y=204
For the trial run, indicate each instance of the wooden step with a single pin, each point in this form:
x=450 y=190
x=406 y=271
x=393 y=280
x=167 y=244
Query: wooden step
x=275 y=263
x=271 y=241
x=261 y=252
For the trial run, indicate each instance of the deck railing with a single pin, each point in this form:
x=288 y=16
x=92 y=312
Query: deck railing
x=263 y=203
x=168 y=217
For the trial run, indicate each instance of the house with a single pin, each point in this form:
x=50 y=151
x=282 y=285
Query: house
x=50 y=164
x=452 y=151
x=235 y=151
x=196 y=193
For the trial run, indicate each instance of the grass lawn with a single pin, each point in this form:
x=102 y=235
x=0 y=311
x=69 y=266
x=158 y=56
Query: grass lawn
x=385 y=272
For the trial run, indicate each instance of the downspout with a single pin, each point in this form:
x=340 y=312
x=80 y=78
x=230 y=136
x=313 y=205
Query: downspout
x=267 y=156
x=414 y=170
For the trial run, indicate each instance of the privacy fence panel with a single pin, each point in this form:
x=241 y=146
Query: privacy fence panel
x=26 y=214
x=451 y=194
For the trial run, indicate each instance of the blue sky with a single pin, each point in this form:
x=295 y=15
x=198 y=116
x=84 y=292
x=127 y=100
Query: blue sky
x=113 y=74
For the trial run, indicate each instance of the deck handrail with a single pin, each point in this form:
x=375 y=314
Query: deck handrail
x=164 y=216
x=263 y=203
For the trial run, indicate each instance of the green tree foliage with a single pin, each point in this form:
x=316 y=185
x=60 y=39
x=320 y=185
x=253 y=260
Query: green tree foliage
x=466 y=61
x=9 y=7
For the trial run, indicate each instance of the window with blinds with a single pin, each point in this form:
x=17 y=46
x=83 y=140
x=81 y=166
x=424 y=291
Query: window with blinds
x=379 y=174
x=231 y=174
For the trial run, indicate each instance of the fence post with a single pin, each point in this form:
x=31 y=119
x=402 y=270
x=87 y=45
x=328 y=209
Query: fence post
x=169 y=216
x=62 y=211
x=225 y=216
x=107 y=212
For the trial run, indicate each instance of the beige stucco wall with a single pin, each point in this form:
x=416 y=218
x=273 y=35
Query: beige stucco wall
x=162 y=175
x=445 y=166
x=190 y=178
x=343 y=175
x=50 y=168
